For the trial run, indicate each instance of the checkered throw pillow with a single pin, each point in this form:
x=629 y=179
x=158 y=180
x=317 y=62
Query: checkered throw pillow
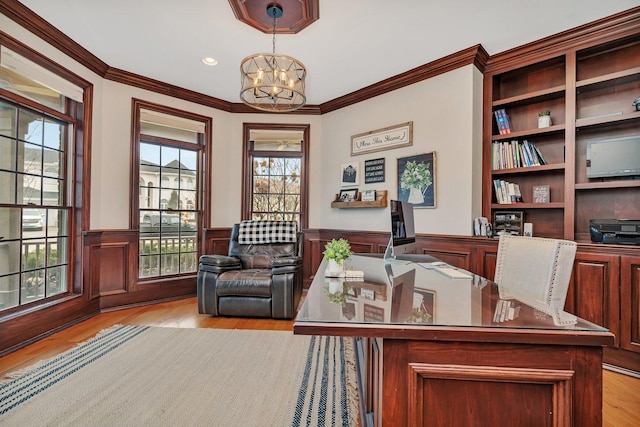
x=259 y=232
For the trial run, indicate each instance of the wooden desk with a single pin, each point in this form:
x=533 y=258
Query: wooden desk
x=453 y=360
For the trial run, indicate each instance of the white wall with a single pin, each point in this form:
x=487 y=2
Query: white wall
x=445 y=111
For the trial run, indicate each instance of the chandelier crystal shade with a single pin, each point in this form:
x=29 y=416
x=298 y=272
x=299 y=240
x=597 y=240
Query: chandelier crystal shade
x=272 y=82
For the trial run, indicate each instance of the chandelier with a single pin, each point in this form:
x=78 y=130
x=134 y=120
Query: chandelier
x=272 y=82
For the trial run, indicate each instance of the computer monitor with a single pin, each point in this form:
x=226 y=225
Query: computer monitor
x=403 y=231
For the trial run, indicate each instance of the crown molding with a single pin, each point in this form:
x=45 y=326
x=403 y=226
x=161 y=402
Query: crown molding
x=474 y=55
x=136 y=80
x=307 y=109
x=613 y=27
x=32 y=22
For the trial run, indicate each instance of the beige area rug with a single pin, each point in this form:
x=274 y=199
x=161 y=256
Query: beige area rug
x=150 y=376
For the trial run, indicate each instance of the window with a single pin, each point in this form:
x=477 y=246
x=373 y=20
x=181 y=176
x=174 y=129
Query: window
x=275 y=164
x=35 y=204
x=33 y=210
x=170 y=148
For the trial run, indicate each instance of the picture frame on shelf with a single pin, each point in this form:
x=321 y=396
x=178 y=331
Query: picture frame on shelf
x=541 y=194
x=348 y=195
x=417 y=180
x=368 y=196
x=349 y=174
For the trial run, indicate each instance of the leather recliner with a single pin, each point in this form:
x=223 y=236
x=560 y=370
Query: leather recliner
x=254 y=280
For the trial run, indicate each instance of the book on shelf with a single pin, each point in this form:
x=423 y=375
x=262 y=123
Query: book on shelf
x=515 y=151
x=541 y=158
x=506 y=198
x=526 y=161
x=534 y=160
x=495 y=156
x=507 y=120
x=499 y=122
x=496 y=188
x=507 y=192
x=516 y=154
x=502 y=121
x=516 y=195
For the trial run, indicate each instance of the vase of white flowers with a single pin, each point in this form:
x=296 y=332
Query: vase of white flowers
x=335 y=252
x=415 y=178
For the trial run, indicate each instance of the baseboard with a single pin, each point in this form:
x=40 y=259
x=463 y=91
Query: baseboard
x=620 y=370
x=144 y=303
x=46 y=334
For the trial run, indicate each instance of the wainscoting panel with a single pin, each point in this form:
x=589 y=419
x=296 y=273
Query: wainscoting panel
x=216 y=241
x=593 y=291
x=630 y=307
x=487 y=259
x=110 y=257
x=110 y=263
x=112 y=272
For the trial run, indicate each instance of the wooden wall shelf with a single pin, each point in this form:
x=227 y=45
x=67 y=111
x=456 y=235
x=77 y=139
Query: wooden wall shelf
x=610 y=184
x=380 y=202
x=529 y=169
x=552 y=205
x=528 y=132
x=540 y=95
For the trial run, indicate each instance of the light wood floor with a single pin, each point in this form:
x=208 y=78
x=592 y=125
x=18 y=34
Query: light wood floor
x=621 y=407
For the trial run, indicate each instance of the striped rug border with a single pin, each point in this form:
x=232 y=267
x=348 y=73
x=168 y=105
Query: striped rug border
x=328 y=393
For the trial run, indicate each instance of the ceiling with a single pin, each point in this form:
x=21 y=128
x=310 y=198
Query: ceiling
x=353 y=44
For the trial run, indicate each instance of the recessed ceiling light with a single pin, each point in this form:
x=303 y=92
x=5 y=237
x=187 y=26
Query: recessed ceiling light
x=209 y=61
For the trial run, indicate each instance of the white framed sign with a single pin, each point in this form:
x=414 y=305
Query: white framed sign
x=382 y=139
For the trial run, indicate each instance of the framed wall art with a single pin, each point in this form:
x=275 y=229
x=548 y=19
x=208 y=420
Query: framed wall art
x=349 y=173
x=382 y=139
x=374 y=170
x=417 y=180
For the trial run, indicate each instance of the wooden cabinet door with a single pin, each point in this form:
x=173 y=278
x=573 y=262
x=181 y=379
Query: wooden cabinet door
x=593 y=291
x=487 y=256
x=630 y=303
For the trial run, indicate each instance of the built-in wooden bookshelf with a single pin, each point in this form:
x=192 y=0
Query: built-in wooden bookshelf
x=589 y=87
x=588 y=78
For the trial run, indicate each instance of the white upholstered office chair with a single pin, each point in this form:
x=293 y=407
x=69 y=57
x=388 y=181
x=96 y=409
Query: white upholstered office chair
x=536 y=271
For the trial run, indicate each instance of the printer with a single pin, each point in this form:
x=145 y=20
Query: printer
x=615 y=231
